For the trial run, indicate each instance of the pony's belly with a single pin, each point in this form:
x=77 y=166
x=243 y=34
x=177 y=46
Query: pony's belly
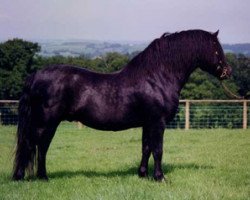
x=110 y=121
x=108 y=118
x=111 y=126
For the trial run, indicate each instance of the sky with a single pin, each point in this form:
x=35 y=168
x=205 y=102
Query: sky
x=122 y=20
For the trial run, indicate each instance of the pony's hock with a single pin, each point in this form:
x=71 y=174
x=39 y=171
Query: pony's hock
x=145 y=93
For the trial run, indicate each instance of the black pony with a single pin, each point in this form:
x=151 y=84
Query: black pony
x=145 y=93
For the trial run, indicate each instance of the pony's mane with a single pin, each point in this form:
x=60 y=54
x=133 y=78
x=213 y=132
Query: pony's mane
x=171 y=50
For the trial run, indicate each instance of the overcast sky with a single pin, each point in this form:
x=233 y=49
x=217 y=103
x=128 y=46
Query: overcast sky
x=126 y=20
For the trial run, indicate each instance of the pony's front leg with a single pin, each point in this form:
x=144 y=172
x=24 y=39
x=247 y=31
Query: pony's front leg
x=152 y=142
x=146 y=151
x=156 y=144
x=157 y=150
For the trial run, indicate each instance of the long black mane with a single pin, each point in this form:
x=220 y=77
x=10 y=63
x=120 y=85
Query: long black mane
x=172 y=49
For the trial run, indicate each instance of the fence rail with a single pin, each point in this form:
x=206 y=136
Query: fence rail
x=191 y=114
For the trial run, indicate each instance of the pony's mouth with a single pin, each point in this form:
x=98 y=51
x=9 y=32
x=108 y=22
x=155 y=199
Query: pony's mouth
x=226 y=73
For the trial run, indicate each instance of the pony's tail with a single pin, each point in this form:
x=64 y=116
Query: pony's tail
x=25 y=153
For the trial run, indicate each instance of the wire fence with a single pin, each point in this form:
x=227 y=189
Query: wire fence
x=212 y=114
x=8 y=112
x=192 y=114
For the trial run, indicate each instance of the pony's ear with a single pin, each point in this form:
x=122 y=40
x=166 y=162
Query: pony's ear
x=216 y=33
x=165 y=34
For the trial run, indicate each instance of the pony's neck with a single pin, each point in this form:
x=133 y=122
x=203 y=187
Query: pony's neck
x=172 y=62
x=178 y=73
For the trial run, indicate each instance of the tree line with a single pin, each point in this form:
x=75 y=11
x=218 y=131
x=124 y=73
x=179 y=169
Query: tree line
x=19 y=58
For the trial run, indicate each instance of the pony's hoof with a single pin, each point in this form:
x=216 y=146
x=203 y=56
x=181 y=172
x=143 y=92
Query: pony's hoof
x=142 y=173
x=160 y=178
x=43 y=177
x=17 y=178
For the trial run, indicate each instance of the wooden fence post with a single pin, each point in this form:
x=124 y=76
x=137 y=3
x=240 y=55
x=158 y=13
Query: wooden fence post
x=244 y=114
x=187 y=115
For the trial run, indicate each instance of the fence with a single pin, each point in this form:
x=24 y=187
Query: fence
x=191 y=114
x=8 y=112
x=212 y=114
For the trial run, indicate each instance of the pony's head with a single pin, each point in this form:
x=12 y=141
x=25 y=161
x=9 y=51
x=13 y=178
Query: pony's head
x=215 y=62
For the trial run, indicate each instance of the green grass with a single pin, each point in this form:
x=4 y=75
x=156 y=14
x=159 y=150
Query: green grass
x=90 y=164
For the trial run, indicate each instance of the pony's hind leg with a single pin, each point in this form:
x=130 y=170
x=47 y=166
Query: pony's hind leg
x=45 y=137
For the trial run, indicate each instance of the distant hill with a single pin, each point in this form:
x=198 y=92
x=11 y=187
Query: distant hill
x=237 y=48
x=87 y=48
x=97 y=48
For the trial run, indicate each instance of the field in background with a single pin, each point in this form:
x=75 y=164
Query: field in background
x=90 y=164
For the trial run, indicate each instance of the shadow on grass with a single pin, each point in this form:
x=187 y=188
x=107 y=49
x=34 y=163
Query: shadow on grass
x=131 y=171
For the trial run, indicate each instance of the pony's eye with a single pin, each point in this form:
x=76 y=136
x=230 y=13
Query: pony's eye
x=218 y=67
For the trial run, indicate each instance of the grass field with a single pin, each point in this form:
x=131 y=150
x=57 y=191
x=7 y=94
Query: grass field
x=90 y=164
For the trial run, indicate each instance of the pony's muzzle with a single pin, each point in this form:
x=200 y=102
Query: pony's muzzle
x=226 y=72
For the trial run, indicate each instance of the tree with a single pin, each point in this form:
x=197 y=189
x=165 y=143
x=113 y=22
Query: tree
x=115 y=61
x=241 y=73
x=200 y=86
x=16 y=60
